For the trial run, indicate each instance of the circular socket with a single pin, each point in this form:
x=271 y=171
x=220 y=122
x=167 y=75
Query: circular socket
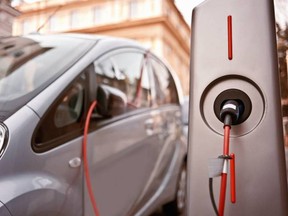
x=236 y=87
x=234 y=94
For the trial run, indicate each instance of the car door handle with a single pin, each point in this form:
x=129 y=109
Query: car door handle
x=75 y=162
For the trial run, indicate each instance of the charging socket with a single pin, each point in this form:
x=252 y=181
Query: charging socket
x=242 y=99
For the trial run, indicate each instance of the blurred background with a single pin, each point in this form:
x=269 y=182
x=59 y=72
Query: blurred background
x=161 y=25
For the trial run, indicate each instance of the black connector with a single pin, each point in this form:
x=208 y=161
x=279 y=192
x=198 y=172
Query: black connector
x=230 y=112
x=235 y=96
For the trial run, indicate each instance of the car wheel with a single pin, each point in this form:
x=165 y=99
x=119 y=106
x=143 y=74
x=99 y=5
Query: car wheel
x=177 y=206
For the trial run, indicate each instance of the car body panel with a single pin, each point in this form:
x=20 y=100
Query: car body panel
x=124 y=166
x=3 y=210
x=32 y=180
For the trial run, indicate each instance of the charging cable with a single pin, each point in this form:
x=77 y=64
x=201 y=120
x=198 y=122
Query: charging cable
x=85 y=160
x=230 y=113
x=224 y=173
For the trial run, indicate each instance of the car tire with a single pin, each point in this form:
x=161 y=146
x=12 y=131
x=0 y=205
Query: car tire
x=177 y=206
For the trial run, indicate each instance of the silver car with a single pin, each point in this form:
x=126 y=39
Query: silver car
x=135 y=147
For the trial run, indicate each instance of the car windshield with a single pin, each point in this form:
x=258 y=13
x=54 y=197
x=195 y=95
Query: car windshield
x=26 y=63
x=30 y=63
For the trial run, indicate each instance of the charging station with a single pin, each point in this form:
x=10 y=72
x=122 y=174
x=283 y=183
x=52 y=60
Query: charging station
x=234 y=57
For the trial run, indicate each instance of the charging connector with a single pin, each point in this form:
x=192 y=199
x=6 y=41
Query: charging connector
x=235 y=103
x=230 y=112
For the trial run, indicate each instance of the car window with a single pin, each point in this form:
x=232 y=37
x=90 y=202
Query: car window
x=64 y=120
x=26 y=63
x=70 y=108
x=165 y=88
x=127 y=72
x=29 y=64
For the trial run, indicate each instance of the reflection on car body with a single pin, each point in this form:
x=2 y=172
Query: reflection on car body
x=136 y=149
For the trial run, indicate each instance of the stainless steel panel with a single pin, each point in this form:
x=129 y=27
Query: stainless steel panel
x=257 y=142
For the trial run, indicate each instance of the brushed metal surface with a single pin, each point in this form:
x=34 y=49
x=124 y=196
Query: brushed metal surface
x=257 y=142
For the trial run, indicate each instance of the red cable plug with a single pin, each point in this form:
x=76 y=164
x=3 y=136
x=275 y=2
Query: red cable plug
x=85 y=159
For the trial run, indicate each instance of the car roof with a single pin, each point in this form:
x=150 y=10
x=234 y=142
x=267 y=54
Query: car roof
x=93 y=37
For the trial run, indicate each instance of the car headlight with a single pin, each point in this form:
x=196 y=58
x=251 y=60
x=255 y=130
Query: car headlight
x=3 y=138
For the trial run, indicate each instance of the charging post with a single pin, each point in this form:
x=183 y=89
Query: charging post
x=234 y=65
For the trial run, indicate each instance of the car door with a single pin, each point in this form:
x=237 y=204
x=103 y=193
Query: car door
x=167 y=111
x=122 y=149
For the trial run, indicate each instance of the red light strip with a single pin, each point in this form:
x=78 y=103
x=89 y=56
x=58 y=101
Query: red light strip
x=230 y=42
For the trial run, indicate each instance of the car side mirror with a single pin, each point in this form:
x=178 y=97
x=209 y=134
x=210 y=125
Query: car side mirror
x=110 y=101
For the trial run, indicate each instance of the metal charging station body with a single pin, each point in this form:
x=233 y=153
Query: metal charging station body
x=261 y=185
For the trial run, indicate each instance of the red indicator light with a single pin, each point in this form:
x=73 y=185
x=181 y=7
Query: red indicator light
x=233 y=178
x=230 y=42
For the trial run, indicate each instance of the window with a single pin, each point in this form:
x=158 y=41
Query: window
x=53 y=23
x=165 y=88
x=25 y=63
x=98 y=15
x=27 y=26
x=75 y=19
x=64 y=121
x=28 y=65
x=128 y=73
x=70 y=108
x=133 y=9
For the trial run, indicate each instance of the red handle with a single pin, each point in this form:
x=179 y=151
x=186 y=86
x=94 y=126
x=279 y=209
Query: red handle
x=233 y=178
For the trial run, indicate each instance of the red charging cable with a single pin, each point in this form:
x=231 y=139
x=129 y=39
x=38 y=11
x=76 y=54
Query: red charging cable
x=230 y=157
x=230 y=114
x=224 y=173
x=85 y=159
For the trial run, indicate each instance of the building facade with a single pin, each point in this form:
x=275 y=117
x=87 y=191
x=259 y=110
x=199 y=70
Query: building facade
x=157 y=24
x=7 y=14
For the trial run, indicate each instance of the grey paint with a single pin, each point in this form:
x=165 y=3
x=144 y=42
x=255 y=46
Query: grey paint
x=3 y=210
x=38 y=184
x=126 y=166
x=257 y=143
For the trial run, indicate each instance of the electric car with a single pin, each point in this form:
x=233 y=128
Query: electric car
x=136 y=150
